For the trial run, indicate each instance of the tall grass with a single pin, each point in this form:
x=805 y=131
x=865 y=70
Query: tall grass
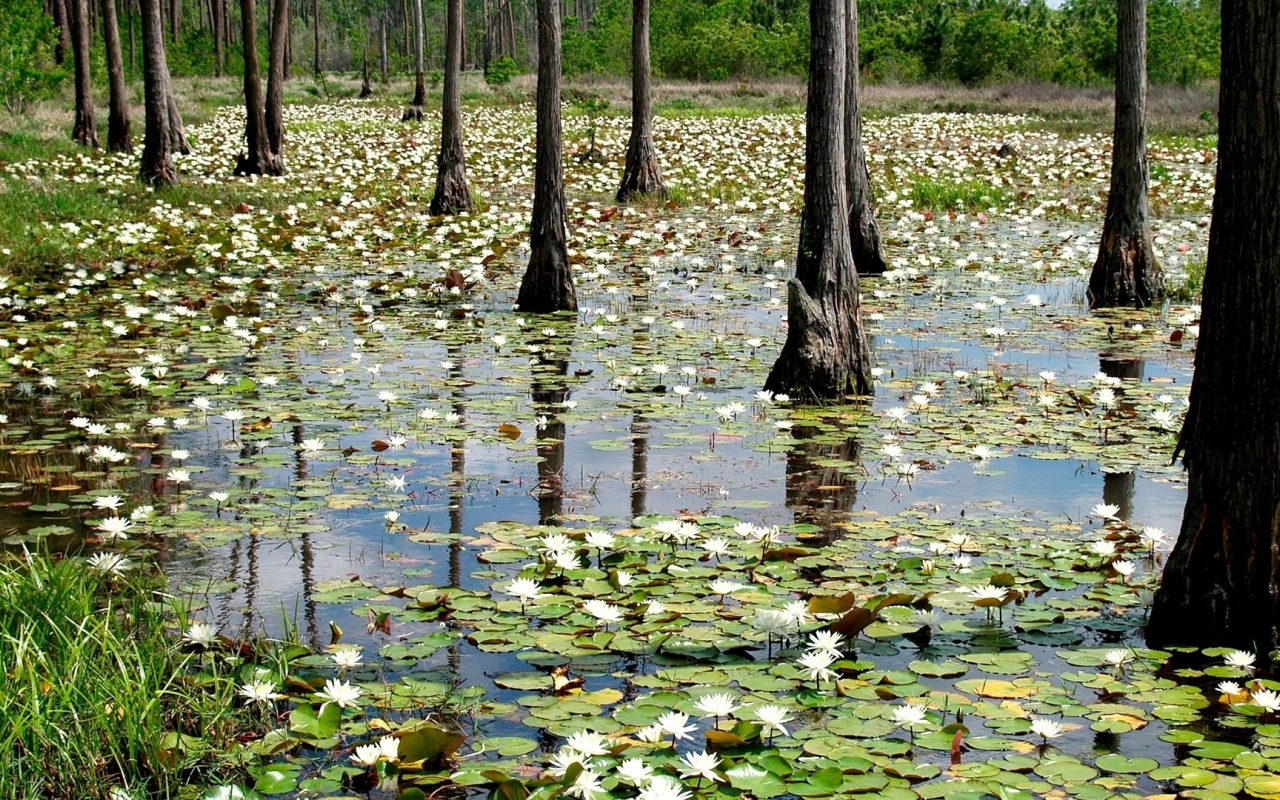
x=92 y=699
x=956 y=196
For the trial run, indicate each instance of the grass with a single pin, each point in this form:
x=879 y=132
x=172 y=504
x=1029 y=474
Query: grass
x=90 y=692
x=962 y=196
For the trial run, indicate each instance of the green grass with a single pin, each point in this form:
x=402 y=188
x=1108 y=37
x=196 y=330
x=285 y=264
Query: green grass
x=961 y=196
x=91 y=692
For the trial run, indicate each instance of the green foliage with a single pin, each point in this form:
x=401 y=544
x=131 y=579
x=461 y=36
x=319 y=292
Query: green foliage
x=88 y=689
x=956 y=196
x=27 y=71
x=501 y=71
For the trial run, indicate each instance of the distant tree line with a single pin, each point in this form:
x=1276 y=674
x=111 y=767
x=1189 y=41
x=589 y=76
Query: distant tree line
x=905 y=41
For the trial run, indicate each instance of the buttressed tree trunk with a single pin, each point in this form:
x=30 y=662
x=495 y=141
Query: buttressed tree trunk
x=85 y=130
x=119 y=139
x=1222 y=582
x=275 y=80
x=826 y=353
x=157 y=158
x=864 y=231
x=1126 y=272
x=177 y=131
x=452 y=195
x=548 y=281
x=257 y=158
x=641 y=176
x=414 y=112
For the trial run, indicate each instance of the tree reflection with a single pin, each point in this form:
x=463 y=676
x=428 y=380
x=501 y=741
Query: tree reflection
x=818 y=494
x=548 y=395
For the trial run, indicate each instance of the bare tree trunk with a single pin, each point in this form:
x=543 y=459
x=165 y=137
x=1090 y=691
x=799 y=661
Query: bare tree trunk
x=288 y=49
x=511 y=31
x=133 y=59
x=452 y=195
x=215 y=9
x=641 y=175
x=177 y=131
x=826 y=354
x=275 y=80
x=119 y=140
x=547 y=285
x=366 y=88
x=61 y=18
x=414 y=111
x=157 y=159
x=85 y=130
x=315 y=27
x=383 y=55
x=407 y=18
x=1126 y=272
x=257 y=158
x=864 y=231
x=1222 y=582
x=175 y=19
x=486 y=52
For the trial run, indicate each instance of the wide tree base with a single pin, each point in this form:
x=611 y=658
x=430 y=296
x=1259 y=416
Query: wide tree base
x=642 y=180
x=864 y=240
x=412 y=114
x=452 y=195
x=547 y=286
x=1126 y=272
x=813 y=365
x=259 y=164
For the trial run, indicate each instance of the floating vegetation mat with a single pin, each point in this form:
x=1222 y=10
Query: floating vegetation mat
x=444 y=548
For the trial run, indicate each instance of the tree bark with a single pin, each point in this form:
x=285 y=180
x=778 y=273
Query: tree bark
x=119 y=139
x=315 y=27
x=826 y=354
x=275 y=80
x=414 y=111
x=383 y=55
x=175 y=20
x=452 y=195
x=61 y=18
x=85 y=130
x=864 y=231
x=157 y=158
x=215 y=9
x=641 y=175
x=1126 y=272
x=547 y=285
x=133 y=59
x=177 y=131
x=257 y=158
x=1222 y=581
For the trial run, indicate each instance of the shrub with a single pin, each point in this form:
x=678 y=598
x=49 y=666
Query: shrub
x=27 y=72
x=501 y=71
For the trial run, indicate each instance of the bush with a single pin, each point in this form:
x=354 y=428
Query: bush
x=501 y=71
x=27 y=71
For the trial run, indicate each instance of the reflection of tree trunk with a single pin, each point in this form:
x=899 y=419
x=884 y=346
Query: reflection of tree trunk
x=639 y=463
x=1124 y=368
x=819 y=495
x=1117 y=489
x=306 y=552
x=549 y=394
x=457 y=477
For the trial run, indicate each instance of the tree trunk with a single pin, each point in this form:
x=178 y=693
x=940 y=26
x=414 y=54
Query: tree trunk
x=257 y=158
x=275 y=80
x=157 y=158
x=315 y=27
x=216 y=10
x=826 y=353
x=1126 y=272
x=452 y=195
x=547 y=285
x=175 y=19
x=1222 y=581
x=133 y=59
x=61 y=18
x=85 y=130
x=641 y=175
x=288 y=49
x=366 y=88
x=414 y=111
x=119 y=140
x=864 y=231
x=383 y=55
x=408 y=23
x=511 y=31
x=177 y=131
